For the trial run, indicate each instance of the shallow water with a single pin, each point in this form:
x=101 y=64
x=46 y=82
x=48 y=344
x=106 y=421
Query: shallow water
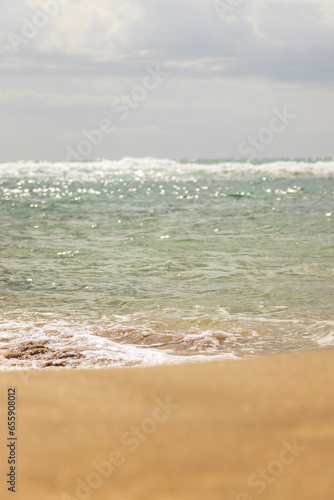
x=116 y=263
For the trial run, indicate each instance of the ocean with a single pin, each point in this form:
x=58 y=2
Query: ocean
x=146 y=261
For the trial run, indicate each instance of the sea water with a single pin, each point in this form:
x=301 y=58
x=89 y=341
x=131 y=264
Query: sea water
x=146 y=261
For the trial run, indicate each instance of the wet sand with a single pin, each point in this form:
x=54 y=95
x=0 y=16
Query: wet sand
x=232 y=430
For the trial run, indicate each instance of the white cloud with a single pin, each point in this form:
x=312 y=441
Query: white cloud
x=225 y=78
x=266 y=39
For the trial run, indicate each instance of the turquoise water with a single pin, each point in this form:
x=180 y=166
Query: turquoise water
x=155 y=261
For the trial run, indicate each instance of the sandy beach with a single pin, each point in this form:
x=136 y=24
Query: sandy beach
x=236 y=430
x=166 y=250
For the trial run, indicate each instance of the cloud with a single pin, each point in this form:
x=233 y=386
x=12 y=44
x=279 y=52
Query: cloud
x=278 y=40
x=225 y=76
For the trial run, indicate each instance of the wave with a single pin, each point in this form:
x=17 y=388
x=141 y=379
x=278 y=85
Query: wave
x=62 y=344
x=140 y=166
x=121 y=342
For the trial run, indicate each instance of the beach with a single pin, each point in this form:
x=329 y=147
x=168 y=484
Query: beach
x=165 y=329
x=239 y=430
x=166 y=250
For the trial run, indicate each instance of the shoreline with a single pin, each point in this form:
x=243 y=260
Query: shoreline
x=50 y=368
x=263 y=427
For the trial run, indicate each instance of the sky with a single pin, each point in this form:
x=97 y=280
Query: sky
x=178 y=79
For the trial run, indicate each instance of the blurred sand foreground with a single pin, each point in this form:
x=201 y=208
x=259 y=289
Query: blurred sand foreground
x=235 y=430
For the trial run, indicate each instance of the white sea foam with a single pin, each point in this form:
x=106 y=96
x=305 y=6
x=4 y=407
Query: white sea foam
x=326 y=339
x=279 y=168
x=40 y=345
x=54 y=343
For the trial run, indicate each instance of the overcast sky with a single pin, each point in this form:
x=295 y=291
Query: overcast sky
x=221 y=70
